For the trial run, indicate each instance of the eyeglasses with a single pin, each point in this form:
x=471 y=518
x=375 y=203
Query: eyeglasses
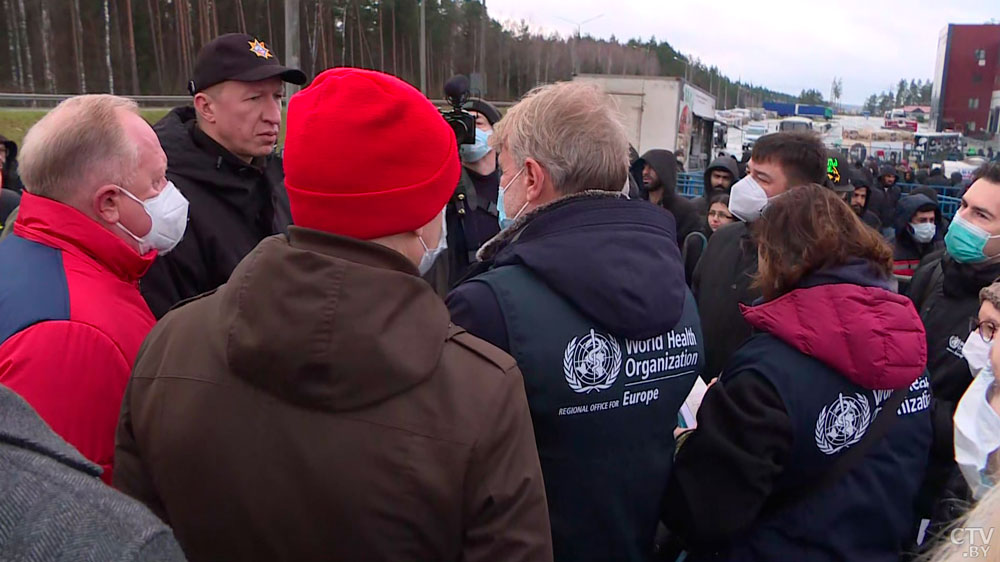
x=720 y=215
x=987 y=329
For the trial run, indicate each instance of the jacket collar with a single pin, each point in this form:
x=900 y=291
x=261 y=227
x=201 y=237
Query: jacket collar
x=508 y=236
x=350 y=249
x=60 y=226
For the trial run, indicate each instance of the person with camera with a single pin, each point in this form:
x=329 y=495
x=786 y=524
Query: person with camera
x=606 y=362
x=472 y=210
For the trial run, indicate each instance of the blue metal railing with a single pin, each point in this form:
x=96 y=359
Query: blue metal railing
x=692 y=184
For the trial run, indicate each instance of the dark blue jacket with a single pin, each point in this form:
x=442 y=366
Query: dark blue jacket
x=804 y=390
x=588 y=295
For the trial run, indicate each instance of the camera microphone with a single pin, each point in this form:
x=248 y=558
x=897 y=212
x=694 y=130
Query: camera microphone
x=457 y=87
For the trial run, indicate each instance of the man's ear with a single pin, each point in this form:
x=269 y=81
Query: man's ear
x=105 y=203
x=204 y=105
x=535 y=179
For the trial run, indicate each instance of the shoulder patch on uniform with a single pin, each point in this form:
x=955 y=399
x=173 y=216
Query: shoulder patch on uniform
x=482 y=348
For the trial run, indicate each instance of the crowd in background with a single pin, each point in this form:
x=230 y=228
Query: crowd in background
x=379 y=344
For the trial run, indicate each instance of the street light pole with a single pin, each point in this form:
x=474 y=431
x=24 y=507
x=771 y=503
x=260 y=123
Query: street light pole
x=576 y=38
x=292 y=39
x=423 y=48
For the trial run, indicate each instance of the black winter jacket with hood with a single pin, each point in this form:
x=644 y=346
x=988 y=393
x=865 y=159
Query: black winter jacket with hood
x=883 y=200
x=664 y=163
x=11 y=179
x=725 y=164
x=233 y=206
x=946 y=294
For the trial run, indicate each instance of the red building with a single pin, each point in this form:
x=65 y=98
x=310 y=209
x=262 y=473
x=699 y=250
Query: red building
x=966 y=92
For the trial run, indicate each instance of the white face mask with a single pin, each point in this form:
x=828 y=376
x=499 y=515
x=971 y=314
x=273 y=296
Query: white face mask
x=430 y=256
x=976 y=352
x=977 y=433
x=924 y=232
x=747 y=199
x=168 y=213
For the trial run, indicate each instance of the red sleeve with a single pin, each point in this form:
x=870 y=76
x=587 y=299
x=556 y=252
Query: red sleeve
x=74 y=376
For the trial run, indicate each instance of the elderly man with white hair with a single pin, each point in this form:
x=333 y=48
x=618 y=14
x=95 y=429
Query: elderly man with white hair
x=96 y=211
x=585 y=289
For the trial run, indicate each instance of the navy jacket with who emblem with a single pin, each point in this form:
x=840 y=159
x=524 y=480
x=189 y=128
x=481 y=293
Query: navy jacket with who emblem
x=588 y=295
x=748 y=483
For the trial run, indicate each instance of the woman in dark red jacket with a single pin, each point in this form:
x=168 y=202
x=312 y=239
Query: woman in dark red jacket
x=767 y=474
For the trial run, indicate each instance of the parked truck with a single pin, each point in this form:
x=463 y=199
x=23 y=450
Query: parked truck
x=663 y=112
x=782 y=109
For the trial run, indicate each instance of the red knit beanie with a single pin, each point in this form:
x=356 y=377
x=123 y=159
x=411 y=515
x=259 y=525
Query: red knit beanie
x=367 y=155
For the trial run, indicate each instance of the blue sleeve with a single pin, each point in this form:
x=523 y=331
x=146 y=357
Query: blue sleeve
x=473 y=306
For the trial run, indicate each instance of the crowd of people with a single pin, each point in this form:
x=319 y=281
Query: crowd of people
x=210 y=350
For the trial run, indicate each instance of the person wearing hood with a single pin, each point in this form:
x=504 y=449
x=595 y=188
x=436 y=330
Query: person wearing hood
x=472 y=211
x=723 y=278
x=221 y=157
x=658 y=169
x=945 y=290
x=956 y=179
x=884 y=195
x=720 y=176
x=585 y=288
x=320 y=405
x=936 y=178
x=813 y=442
x=917 y=220
x=859 y=199
x=9 y=177
x=908 y=176
x=97 y=211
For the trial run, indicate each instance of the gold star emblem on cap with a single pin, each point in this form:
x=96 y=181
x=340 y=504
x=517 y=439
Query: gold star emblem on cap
x=260 y=49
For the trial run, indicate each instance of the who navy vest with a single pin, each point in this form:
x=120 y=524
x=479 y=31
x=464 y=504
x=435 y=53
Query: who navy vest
x=869 y=512
x=604 y=409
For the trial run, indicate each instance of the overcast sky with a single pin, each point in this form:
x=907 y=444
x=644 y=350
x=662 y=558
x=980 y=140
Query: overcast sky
x=786 y=45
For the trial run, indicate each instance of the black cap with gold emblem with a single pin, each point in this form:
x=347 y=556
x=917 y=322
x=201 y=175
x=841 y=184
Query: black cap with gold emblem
x=238 y=56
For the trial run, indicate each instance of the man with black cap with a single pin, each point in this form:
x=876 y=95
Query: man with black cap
x=860 y=199
x=472 y=209
x=220 y=154
x=884 y=197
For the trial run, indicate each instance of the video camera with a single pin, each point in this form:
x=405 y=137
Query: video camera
x=456 y=91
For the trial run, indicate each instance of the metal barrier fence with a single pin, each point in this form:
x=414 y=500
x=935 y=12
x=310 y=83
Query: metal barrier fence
x=692 y=184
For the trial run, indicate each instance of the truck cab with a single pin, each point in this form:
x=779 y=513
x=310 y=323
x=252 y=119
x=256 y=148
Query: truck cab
x=795 y=124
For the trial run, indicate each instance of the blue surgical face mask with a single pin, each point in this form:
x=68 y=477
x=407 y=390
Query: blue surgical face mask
x=965 y=241
x=502 y=213
x=475 y=152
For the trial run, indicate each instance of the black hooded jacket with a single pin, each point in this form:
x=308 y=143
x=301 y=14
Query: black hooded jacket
x=664 y=163
x=233 y=206
x=946 y=294
x=883 y=199
x=11 y=179
x=908 y=253
x=726 y=164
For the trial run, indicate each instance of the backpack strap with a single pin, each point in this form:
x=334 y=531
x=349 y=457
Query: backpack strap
x=849 y=460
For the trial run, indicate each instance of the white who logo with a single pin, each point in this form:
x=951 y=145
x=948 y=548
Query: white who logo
x=592 y=362
x=842 y=423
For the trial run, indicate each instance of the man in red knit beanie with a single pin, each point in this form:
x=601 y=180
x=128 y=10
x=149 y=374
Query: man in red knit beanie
x=321 y=405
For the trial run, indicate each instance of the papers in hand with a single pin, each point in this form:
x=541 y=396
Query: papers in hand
x=689 y=409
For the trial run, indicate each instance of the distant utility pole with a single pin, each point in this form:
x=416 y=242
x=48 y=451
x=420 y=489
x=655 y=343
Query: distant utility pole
x=423 y=48
x=576 y=39
x=292 y=40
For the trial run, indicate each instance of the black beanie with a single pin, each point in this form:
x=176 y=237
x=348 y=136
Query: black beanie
x=485 y=108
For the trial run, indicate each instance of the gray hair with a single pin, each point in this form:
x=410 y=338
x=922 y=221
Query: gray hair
x=573 y=130
x=80 y=143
